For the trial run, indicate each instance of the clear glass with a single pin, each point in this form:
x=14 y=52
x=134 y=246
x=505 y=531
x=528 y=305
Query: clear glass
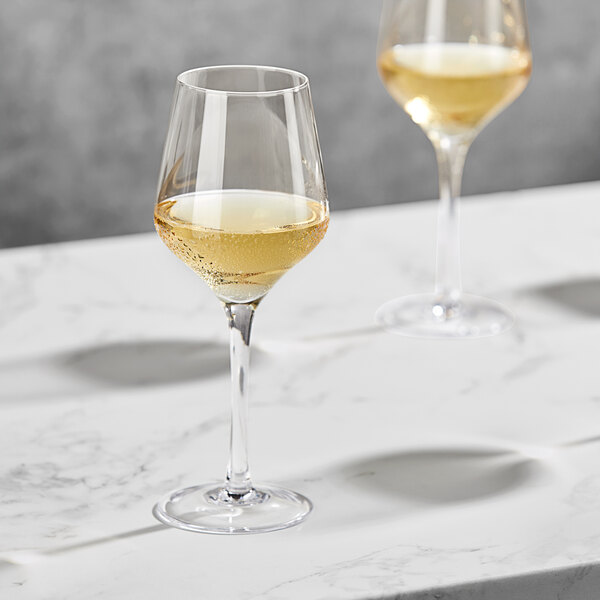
x=241 y=199
x=453 y=65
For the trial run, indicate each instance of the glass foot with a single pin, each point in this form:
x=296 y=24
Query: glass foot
x=210 y=509
x=423 y=315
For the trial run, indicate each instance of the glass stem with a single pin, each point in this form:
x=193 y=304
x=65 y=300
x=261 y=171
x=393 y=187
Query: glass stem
x=240 y=318
x=450 y=153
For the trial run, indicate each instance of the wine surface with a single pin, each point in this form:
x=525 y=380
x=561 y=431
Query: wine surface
x=453 y=88
x=240 y=241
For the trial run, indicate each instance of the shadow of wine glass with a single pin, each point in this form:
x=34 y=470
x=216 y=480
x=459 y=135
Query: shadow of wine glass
x=343 y=334
x=442 y=476
x=394 y=486
x=105 y=540
x=308 y=343
x=577 y=443
x=578 y=295
x=148 y=363
x=134 y=364
x=26 y=557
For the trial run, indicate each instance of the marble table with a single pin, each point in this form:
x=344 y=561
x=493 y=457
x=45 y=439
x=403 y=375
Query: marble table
x=439 y=470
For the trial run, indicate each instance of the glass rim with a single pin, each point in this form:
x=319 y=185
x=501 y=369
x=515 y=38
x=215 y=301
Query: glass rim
x=207 y=90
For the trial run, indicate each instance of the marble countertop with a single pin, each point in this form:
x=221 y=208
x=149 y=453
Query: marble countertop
x=439 y=470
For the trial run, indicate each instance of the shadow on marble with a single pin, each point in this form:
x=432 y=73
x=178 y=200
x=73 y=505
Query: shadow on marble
x=115 y=365
x=346 y=333
x=581 y=296
x=7 y=564
x=442 y=475
x=145 y=363
x=327 y=340
x=25 y=557
x=593 y=439
x=106 y=539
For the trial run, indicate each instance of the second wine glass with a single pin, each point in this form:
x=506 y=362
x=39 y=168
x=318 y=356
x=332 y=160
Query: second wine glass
x=453 y=65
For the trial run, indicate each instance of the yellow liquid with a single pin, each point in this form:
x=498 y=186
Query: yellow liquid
x=241 y=242
x=454 y=88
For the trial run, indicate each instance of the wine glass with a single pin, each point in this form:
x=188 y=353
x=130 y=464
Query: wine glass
x=241 y=200
x=453 y=65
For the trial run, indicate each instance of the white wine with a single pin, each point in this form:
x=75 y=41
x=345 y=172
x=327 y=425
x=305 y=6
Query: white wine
x=239 y=241
x=454 y=88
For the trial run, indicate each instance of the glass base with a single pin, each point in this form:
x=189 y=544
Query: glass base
x=209 y=508
x=423 y=315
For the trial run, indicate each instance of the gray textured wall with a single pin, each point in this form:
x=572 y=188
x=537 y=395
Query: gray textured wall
x=85 y=90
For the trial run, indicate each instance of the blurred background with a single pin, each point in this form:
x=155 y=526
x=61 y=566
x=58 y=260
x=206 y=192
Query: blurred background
x=85 y=91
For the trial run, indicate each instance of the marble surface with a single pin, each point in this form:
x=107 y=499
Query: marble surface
x=439 y=470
